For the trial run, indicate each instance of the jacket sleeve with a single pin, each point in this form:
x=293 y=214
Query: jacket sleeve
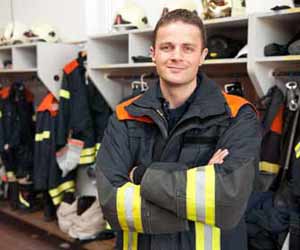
x=64 y=113
x=122 y=204
x=1 y=128
x=216 y=195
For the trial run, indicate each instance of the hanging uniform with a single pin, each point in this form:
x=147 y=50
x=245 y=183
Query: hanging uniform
x=47 y=175
x=100 y=112
x=74 y=118
x=271 y=154
x=181 y=203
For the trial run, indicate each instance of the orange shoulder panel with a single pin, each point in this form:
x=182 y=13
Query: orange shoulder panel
x=277 y=123
x=47 y=104
x=71 y=66
x=235 y=103
x=122 y=113
x=4 y=92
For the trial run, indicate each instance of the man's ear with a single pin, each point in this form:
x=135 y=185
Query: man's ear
x=152 y=53
x=203 y=56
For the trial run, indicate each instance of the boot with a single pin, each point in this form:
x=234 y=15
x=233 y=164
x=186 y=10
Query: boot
x=13 y=192
x=27 y=201
x=49 y=208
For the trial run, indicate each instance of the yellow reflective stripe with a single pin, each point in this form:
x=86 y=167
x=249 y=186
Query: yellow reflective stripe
x=199 y=228
x=210 y=194
x=108 y=227
x=57 y=199
x=10 y=174
x=46 y=134
x=297 y=150
x=43 y=135
x=216 y=238
x=121 y=207
x=87 y=151
x=191 y=194
x=0 y=113
x=134 y=241
x=129 y=207
x=98 y=145
x=269 y=167
x=23 y=201
x=62 y=187
x=64 y=93
x=125 y=240
x=38 y=137
x=130 y=240
x=137 y=209
x=87 y=159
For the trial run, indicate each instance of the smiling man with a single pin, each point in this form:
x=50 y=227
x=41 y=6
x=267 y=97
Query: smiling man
x=177 y=164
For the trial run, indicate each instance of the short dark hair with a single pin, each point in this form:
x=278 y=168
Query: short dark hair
x=182 y=15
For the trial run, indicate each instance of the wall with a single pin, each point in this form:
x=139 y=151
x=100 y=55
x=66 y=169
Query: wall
x=67 y=16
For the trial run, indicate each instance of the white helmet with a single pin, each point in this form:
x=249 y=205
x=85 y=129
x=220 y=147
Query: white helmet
x=131 y=15
x=43 y=32
x=14 y=33
x=216 y=8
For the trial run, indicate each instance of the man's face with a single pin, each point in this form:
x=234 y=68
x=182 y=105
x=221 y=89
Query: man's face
x=178 y=53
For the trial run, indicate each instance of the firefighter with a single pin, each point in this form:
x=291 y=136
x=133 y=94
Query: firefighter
x=177 y=164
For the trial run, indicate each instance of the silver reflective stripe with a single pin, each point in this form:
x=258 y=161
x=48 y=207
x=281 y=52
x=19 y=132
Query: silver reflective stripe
x=128 y=203
x=130 y=240
x=200 y=193
x=208 y=237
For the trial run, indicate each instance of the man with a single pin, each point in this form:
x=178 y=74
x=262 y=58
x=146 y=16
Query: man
x=177 y=164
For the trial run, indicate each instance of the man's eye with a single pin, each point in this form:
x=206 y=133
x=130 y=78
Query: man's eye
x=188 y=49
x=165 y=48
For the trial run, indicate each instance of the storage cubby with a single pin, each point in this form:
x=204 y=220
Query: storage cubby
x=5 y=55
x=140 y=43
x=108 y=49
x=25 y=57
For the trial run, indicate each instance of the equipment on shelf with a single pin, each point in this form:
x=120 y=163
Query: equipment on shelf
x=234 y=88
x=130 y=16
x=216 y=8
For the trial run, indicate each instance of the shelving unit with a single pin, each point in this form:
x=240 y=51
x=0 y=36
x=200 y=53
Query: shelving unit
x=111 y=55
x=274 y=27
x=45 y=60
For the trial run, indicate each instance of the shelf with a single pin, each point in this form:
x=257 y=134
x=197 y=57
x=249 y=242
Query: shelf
x=36 y=220
x=227 y=22
x=290 y=58
x=33 y=70
x=282 y=15
x=225 y=61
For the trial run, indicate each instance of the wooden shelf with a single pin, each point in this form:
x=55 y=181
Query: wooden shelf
x=33 y=70
x=36 y=220
x=290 y=58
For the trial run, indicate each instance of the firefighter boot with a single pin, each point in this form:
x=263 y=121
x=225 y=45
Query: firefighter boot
x=27 y=201
x=13 y=191
x=49 y=208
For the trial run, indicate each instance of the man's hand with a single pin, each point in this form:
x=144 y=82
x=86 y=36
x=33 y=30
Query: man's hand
x=218 y=157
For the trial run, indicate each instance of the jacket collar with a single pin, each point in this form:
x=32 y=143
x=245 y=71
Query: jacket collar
x=208 y=100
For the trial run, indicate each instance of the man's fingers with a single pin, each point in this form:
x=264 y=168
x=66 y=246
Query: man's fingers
x=219 y=156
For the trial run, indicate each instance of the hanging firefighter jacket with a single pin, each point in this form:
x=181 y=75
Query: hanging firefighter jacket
x=272 y=122
x=74 y=117
x=47 y=175
x=181 y=203
x=100 y=112
x=18 y=127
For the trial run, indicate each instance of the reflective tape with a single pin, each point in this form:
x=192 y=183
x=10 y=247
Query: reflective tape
x=297 y=150
x=130 y=240
x=87 y=159
x=23 y=201
x=129 y=207
x=64 y=93
x=0 y=114
x=10 y=174
x=58 y=199
x=200 y=205
x=42 y=136
x=88 y=151
x=269 y=167
x=62 y=187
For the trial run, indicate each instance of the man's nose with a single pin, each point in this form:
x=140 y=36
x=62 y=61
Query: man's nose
x=177 y=53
